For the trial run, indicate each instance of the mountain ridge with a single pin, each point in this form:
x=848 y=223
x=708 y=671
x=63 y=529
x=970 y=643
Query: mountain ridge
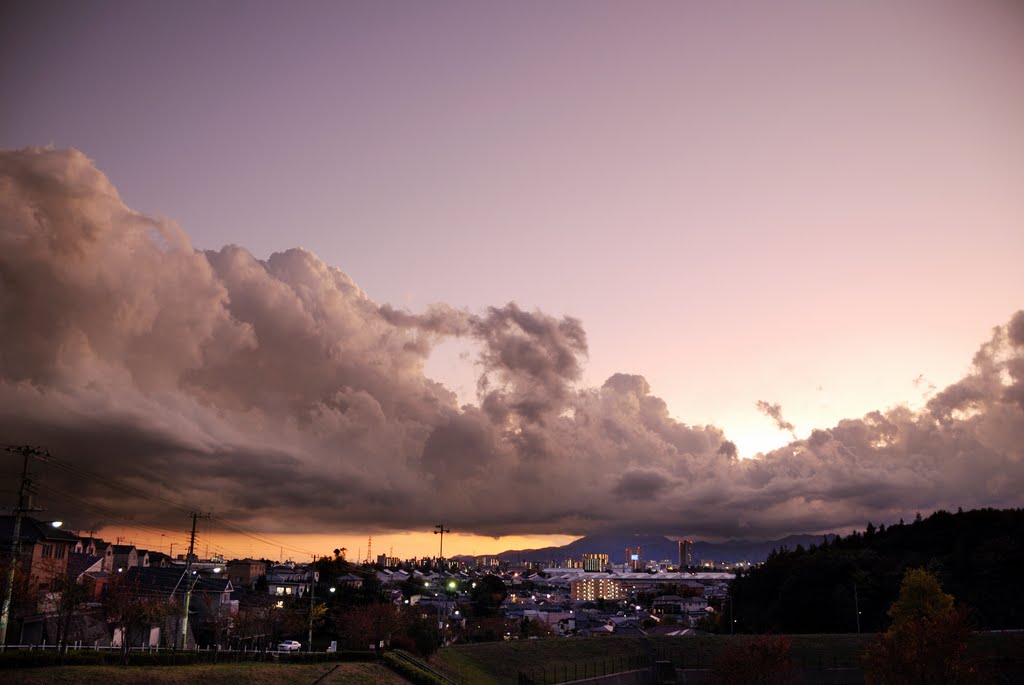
x=660 y=547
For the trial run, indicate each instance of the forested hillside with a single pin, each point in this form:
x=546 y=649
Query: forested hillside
x=977 y=555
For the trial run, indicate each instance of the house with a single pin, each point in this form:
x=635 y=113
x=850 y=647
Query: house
x=44 y=549
x=158 y=560
x=349 y=580
x=125 y=557
x=245 y=572
x=286 y=581
x=96 y=547
x=210 y=602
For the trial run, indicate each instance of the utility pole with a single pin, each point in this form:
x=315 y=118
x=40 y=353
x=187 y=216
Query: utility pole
x=313 y=577
x=24 y=505
x=856 y=606
x=188 y=578
x=439 y=528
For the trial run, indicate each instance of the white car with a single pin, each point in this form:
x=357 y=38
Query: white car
x=289 y=646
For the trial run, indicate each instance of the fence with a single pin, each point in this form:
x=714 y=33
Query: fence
x=579 y=670
x=48 y=655
x=683 y=659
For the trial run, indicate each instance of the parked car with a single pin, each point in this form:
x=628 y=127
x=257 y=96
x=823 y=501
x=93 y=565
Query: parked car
x=289 y=646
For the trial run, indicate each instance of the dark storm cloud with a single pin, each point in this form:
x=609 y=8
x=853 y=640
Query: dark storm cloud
x=276 y=391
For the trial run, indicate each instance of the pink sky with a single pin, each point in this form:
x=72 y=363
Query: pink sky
x=811 y=204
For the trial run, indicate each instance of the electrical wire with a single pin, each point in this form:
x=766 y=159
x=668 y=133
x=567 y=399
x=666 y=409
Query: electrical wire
x=135 y=491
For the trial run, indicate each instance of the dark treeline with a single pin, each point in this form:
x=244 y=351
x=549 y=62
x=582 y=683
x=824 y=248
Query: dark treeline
x=978 y=557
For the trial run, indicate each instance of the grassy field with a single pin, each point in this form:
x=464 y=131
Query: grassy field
x=207 y=674
x=499 y=663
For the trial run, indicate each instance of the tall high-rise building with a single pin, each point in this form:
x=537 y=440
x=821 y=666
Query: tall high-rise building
x=594 y=562
x=685 y=553
x=634 y=558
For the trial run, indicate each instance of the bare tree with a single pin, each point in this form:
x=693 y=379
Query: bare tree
x=132 y=610
x=67 y=596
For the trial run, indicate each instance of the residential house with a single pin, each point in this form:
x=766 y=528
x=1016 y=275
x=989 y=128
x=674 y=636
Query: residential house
x=125 y=557
x=245 y=572
x=44 y=549
x=159 y=560
x=349 y=580
x=286 y=581
x=96 y=547
x=210 y=603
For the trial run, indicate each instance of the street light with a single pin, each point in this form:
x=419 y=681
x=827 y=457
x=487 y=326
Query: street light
x=440 y=529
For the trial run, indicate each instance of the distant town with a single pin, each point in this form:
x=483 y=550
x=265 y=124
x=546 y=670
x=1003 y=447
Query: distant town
x=69 y=592
x=231 y=602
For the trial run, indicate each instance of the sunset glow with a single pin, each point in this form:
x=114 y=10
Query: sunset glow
x=533 y=270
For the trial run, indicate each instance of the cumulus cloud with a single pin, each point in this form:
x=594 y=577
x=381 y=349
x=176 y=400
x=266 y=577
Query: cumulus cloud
x=274 y=391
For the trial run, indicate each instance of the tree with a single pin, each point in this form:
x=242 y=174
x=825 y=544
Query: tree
x=132 y=610
x=67 y=596
x=927 y=642
x=371 y=624
x=487 y=596
x=921 y=598
x=218 y=620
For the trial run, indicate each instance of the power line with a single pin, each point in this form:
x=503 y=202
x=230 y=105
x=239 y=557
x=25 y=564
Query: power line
x=113 y=482
x=122 y=520
x=116 y=484
x=258 y=538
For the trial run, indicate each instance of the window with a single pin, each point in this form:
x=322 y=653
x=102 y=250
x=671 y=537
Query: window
x=47 y=551
x=59 y=552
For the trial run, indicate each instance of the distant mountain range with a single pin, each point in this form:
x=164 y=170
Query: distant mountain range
x=659 y=547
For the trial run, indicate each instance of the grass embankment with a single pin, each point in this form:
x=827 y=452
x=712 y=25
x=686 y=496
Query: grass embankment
x=208 y=674
x=499 y=663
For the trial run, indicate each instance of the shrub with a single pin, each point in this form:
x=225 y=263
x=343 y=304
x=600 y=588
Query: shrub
x=764 y=660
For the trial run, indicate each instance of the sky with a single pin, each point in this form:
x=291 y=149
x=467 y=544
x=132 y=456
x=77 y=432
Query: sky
x=530 y=269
